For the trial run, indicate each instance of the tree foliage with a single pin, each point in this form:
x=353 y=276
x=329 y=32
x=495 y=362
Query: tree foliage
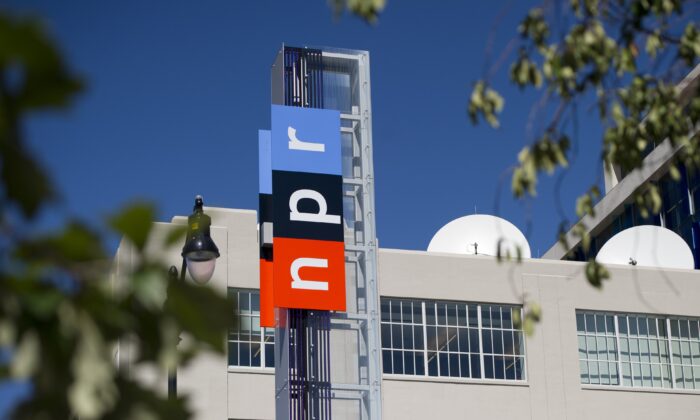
x=625 y=58
x=60 y=316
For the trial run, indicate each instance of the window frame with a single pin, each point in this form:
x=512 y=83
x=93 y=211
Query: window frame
x=263 y=333
x=667 y=367
x=519 y=377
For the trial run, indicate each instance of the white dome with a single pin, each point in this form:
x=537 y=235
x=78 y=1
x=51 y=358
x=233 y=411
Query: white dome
x=648 y=246
x=486 y=231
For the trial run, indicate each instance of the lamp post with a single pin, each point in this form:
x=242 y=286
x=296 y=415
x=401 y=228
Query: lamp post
x=199 y=256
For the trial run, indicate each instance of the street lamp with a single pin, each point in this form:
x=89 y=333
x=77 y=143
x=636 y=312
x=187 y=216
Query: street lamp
x=200 y=252
x=198 y=257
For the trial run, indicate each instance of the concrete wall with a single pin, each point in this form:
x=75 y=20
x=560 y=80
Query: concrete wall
x=553 y=389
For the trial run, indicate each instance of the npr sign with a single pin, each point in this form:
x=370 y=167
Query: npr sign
x=308 y=268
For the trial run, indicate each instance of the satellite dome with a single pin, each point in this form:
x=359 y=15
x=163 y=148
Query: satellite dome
x=480 y=234
x=647 y=246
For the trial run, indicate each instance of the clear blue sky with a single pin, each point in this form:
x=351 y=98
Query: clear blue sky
x=177 y=90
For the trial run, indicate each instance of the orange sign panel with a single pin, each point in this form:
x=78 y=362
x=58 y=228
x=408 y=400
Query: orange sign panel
x=309 y=274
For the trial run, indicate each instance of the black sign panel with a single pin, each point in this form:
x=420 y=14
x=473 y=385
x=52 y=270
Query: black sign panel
x=307 y=206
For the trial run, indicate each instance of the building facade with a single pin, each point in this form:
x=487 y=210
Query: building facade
x=450 y=348
x=436 y=335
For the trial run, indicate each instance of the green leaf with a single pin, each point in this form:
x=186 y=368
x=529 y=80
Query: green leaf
x=25 y=359
x=47 y=83
x=200 y=311
x=689 y=48
x=135 y=223
x=24 y=181
x=596 y=273
x=77 y=243
x=485 y=102
x=175 y=235
x=368 y=10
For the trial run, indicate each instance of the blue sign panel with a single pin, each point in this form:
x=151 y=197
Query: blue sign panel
x=265 y=161
x=306 y=140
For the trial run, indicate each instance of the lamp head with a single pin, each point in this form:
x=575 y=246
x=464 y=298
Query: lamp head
x=200 y=252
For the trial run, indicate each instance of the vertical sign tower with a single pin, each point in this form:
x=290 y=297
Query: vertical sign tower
x=321 y=215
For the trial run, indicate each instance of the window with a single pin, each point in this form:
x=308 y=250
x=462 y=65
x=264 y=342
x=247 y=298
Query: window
x=248 y=344
x=451 y=339
x=649 y=351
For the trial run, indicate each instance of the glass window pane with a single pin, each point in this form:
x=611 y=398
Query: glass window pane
x=464 y=366
x=451 y=314
x=396 y=339
x=256 y=353
x=418 y=338
x=244 y=302
x=417 y=313
x=580 y=326
x=652 y=327
x=454 y=364
x=499 y=367
x=593 y=372
x=270 y=355
x=496 y=317
x=473 y=316
x=581 y=347
x=510 y=367
x=508 y=347
x=488 y=367
x=475 y=366
x=407 y=337
x=674 y=328
x=419 y=363
x=430 y=314
x=395 y=311
x=614 y=377
x=397 y=358
x=432 y=364
x=444 y=364
x=463 y=340
x=485 y=316
x=452 y=342
x=507 y=319
x=486 y=340
x=233 y=353
x=406 y=312
x=386 y=361
x=643 y=330
x=474 y=340
x=610 y=324
x=633 y=325
x=622 y=324
x=386 y=335
x=626 y=374
x=462 y=315
x=244 y=354
x=408 y=361
x=600 y=324
x=604 y=373
x=694 y=329
x=684 y=328
x=498 y=342
x=583 y=365
x=432 y=338
x=441 y=314
x=386 y=314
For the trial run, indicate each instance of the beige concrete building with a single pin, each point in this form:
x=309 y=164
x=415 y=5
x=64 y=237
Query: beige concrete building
x=630 y=350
